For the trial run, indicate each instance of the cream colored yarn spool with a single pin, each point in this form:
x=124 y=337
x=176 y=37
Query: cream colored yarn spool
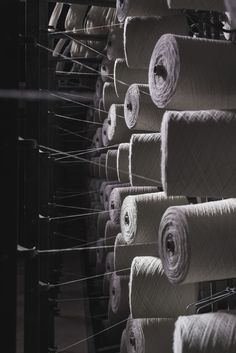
x=119 y=296
x=142 y=335
x=75 y=17
x=99 y=87
x=124 y=253
x=115 y=48
x=123 y=163
x=178 y=83
x=123 y=345
x=102 y=166
x=140 y=111
x=209 y=5
x=111 y=231
x=109 y=267
x=231 y=8
x=117 y=196
x=198 y=153
x=101 y=224
x=98 y=138
x=102 y=113
x=102 y=189
x=107 y=68
x=145 y=160
x=117 y=131
x=111 y=172
x=205 y=333
x=56 y=13
x=125 y=8
x=197 y=242
x=152 y=295
x=142 y=33
x=100 y=256
x=109 y=96
x=108 y=190
x=124 y=77
x=105 y=140
x=141 y=216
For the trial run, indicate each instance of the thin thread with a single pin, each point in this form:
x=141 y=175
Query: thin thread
x=80 y=299
x=74 y=207
x=86 y=278
x=75 y=119
x=75 y=195
x=88 y=151
x=83 y=65
x=76 y=248
x=77 y=215
x=95 y=163
x=75 y=133
x=89 y=337
x=82 y=29
x=69 y=237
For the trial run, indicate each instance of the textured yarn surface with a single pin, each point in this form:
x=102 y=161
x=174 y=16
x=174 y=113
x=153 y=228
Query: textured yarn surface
x=151 y=295
x=182 y=73
x=199 y=153
x=198 y=243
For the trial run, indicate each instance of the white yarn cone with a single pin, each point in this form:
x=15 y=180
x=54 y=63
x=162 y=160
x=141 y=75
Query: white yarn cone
x=98 y=138
x=105 y=140
x=141 y=216
x=142 y=335
x=101 y=224
x=123 y=346
x=140 y=111
x=124 y=253
x=145 y=160
x=197 y=242
x=109 y=96
x=102 y=113
x=123 y=163
x=111 y=232
x=152 y=295
x=56 y=13
x=124 y=77
x=115 y=48
x=111 y=171
x=198 y=153
x=205 y=333
x=142 y=33
x=75 y=17
x=119 y=296
x=102 y=189
x=231 y=8
x=117 y=131
x=107 y=68
x=178 y=83
x=100 y=256
x=209 y=5
x=108 y=191
x=109 y=267
x=99 y=87
x=125 y=8
x=118 y=195
x=102 y=166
